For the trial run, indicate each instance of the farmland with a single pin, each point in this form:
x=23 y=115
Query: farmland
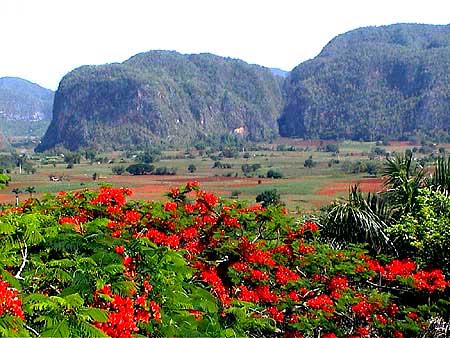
x=302 y=187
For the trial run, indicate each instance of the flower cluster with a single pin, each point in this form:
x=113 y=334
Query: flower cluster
x=253 y=261
x=10 y=302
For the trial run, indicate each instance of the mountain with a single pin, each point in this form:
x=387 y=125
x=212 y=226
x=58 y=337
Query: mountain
x=3 y=142
x=279 y=72
x=371 y=83
x=163 y=96
x=25 y=107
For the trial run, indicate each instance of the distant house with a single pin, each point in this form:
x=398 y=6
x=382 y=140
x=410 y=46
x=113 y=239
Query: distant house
x=54 y=178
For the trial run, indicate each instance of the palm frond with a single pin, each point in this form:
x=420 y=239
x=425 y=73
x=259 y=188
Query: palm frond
x=356 y=220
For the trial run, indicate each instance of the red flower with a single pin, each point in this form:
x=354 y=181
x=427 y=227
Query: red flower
x=247 y=295
x=285 y=275
x=430 y=280
x=170 y=206
x=397 y=334
x=338 y=283
x=120 y=249
x=265 y=294
x=309 y=226
x=132 y=216
x=155 y=310
x=413 y=316
x=293 y=295
x=363 y=309
x=329 y=335
x=392 y=310
x=321 y=302
x=209 y=199
x=174 y=192
x=399 y=268
x=275 y=313
x=374 y=265
x=192 y=185
x=258 y=275
x=362 y=331
x=10 y=303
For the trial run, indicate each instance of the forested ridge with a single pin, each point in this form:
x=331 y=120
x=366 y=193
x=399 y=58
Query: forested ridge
x=373 y=83
x=163 y=96
x=27 y=102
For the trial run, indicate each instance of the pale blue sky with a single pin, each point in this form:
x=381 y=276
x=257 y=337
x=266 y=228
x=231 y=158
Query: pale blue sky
x=42 y=40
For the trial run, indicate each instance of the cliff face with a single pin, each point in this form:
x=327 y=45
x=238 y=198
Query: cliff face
x=163 y=96
x=370 y=83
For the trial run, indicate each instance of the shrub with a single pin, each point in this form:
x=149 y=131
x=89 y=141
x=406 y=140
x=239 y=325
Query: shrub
x=268 y=197
x=140 y=169
x=118 y=169
x=274 y=174
x=192 y=168
x=197 y=265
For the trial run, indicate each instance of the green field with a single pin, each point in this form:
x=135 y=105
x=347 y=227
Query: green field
x=301 y=187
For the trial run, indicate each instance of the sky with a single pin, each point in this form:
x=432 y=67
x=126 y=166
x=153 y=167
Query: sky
x=42 y=40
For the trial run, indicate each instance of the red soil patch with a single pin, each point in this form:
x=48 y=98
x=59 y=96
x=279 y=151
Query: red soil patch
x=400 y=143
x=7 y=199
x=366 y=185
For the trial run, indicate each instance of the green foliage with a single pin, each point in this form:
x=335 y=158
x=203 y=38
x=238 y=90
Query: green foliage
x=192 y=168
x=358 y=219
x=371 y=84
x=269 y=197
x=140 y=169
x=424 y=233
x=118 y=169
x=4 y=180
x=163 y=97
x=274 y=174
x=26 y=108
x=404 y=178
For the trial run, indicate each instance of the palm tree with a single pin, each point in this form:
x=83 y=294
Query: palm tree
x=358 y=219
x=404 y=178
x=440 y=179
x=17 y=191
x=30 y=190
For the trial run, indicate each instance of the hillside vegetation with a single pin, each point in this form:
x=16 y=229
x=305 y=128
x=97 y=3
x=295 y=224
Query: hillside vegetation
x=163 y=96
x=372 y=83
x=25 y=107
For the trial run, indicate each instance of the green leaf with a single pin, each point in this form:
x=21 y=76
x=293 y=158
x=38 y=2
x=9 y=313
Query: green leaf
x=89 y=330
x=98 y=315
x=7 y=228
x=60 y=330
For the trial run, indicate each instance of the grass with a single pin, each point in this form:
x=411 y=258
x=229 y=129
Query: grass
x=298 y=188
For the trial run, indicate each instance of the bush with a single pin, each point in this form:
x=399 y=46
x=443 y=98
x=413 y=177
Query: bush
x=332 y=148
x=274 y=174
x=424 y=233
x=165 y=171
x=269 y=197
x=309 y=163
x=140 y=169
x=196 y=265
x=191 y=168
x=118 y=169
